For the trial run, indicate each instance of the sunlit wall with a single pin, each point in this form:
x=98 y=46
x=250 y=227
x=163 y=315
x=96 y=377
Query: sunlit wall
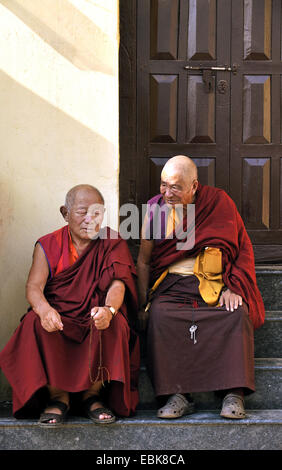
x=59 y=126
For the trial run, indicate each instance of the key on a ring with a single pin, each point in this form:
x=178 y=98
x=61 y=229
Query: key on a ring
x=192 y=330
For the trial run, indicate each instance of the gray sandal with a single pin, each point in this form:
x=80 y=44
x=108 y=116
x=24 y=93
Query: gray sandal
x=176 y=406
x=233 y=406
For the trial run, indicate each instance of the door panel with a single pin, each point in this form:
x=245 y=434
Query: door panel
x=256 y=109
x=164 y=17
x=200 y=112
x=202 y=30
x=257 y=29
x=228 y=121
x=163 y=108
x=255 y=147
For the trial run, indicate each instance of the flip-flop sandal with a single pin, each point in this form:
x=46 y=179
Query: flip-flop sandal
x=45 y=418
x=176 y=406
x=233 y=407
x=94 y=414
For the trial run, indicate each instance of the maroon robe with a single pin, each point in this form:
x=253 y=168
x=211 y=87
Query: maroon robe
x=220 y=355
x=217 y=224
x=68 y=359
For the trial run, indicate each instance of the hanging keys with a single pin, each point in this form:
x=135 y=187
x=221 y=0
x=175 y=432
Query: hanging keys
x=192 y=330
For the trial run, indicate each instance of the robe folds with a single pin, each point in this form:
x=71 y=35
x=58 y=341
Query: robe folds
x=204 y=347
x=73 y=358
x=217 y=224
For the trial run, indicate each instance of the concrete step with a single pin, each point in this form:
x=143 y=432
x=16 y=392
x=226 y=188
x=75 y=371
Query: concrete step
x=203 y=430
x=268 y=376
x=269 y=279
x=268 y=337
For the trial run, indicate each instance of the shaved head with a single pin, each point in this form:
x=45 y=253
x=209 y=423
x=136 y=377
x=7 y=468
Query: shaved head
x=181 y=165
x=179 y=180
x=73 y=192
x=84 y=212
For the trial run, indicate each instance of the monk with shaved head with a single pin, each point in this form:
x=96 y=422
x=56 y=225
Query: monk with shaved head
x=72 y=347
x=199 y=298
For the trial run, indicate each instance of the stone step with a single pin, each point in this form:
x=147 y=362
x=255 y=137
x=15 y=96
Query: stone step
x=268 y=376
x=269 y=279
x=268 y=337
x=203 y=430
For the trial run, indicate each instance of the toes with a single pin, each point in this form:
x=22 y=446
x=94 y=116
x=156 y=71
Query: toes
x=104 y=416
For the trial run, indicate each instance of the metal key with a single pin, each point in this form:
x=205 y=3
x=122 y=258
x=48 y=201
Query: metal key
x=192 y=330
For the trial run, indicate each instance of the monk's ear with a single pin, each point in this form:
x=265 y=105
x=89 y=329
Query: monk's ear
x=64 y=212
x=195 y=185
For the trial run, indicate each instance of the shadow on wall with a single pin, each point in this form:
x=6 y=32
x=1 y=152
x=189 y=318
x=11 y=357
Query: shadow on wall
x=44 y=152
x=80 y=40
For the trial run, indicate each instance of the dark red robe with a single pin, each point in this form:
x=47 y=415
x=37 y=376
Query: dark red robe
x=67 y=359
x=220 y=355
x=217 y=224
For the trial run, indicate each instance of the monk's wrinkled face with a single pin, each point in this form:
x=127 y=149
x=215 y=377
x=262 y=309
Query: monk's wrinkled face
x=86 y=214
x=175 y=189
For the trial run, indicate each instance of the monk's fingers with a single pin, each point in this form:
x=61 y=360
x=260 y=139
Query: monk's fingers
x=55 y=321
x=102 y=324
x=100 y=312
x=46 y=327
x=221 y=300
x=233 y=301
x=52 y=321
x=49 y=326
x=102 y=319
x=94 y=310
x=225 y=299
x=236 y=300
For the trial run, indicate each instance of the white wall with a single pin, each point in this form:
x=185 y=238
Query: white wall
x=58 y=126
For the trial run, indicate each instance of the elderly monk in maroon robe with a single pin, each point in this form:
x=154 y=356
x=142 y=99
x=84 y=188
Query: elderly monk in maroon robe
x=203 y=301
x=76 y=337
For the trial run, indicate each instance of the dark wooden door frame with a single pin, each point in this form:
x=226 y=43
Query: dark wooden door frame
x=127 y=101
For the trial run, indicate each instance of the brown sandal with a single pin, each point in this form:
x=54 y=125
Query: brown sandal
x=176 y=406
x=233 y=406
x=94 y=414
x=45 y=418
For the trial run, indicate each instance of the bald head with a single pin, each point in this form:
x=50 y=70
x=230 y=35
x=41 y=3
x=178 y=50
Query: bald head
x=181 y=165
x=179 y=181
x=82 y=189
x=84 y=212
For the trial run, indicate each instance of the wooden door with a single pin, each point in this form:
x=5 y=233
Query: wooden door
x=176 y=114
x=256 y=132
x=209 y=86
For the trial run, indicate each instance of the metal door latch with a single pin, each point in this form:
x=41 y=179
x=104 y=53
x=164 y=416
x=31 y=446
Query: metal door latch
x=219 y=68
x=208 y=77
x=208 y=80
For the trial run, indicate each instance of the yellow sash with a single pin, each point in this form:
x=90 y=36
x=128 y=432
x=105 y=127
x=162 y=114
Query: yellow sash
x=208 y=269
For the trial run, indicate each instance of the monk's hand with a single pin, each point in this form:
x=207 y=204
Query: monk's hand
x=231 y=300
x=102 y=317
x=51 y=320
x=143 y=319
